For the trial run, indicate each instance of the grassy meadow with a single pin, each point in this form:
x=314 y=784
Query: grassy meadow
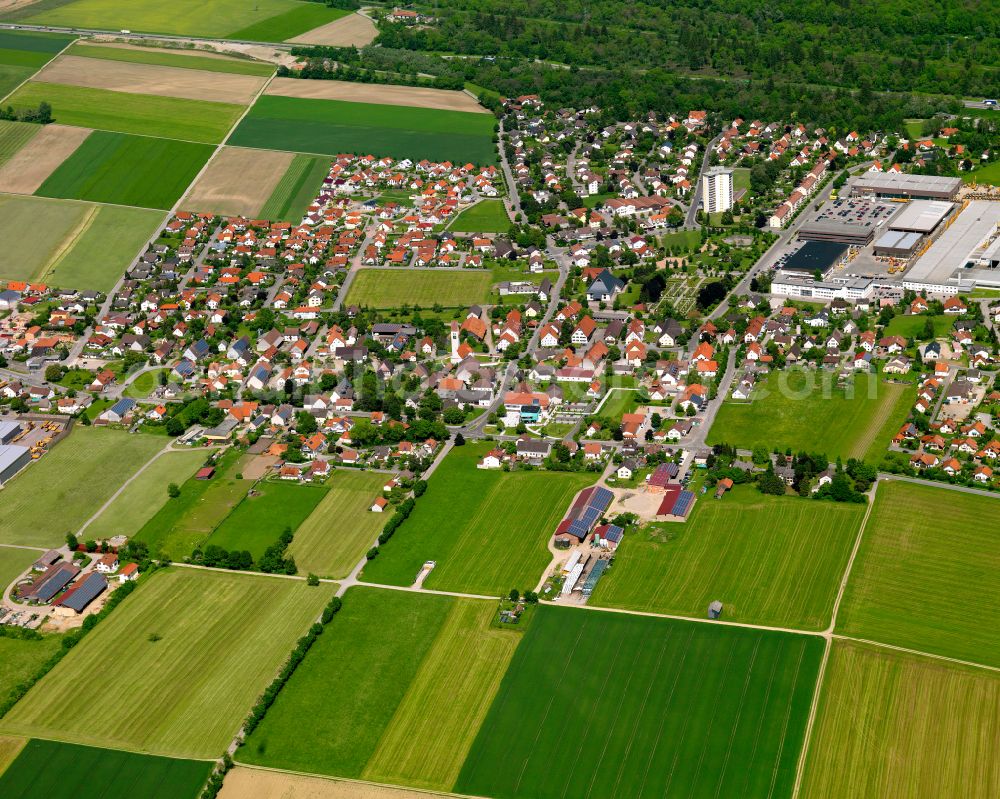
x=391 y=288
x=21 y=660
x=297 y=189
x=486 y=216
x=173 y=58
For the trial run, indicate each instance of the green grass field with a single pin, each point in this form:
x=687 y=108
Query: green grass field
x=23 y=53
x=340 y=530
x=10 y=748
x=610 y=705
x=127 y=170
x=335 y=126
x=11 y=77
x=769 y=560
x=187 y=654
x=143 y=385
x=13 y=136
x=487 y=530
x=928 y=558
x=20 y=660
x=913 y=326
x=895 y=724
x=446 y=702
x=173 y=58
x=145 y=495
x=258 y=521
x=486 y=216
x=808 y=411
x=59 y=492
x=13 y=561
x=985 y=174
x=297 y=189
x=391 y=288
x=273 y=20
x=68 y=771
x=141 y=114
x=26 y=257
x=330 y=716
x=185 y=522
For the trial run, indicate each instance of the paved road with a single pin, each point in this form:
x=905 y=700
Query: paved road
x=141 y=36
x=692 y=212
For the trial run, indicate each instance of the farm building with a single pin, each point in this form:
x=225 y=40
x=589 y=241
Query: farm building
x=54 y=580
x=12 y=459
x=585 y=513
x=595 y=575
x=676 y=502
x=46 y=561
x=205 y=473
x=82 y=593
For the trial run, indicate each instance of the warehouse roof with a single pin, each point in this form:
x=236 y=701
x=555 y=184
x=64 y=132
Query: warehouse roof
x=921 y=216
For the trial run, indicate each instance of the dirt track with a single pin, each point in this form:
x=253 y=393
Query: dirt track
x=238 y=181
x=246 y=783
x=40 y=157
x=378 y=94
x=120 y=76
x=353 y=30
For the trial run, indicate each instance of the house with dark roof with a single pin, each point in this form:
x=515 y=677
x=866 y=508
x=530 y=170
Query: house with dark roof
x=604 y=287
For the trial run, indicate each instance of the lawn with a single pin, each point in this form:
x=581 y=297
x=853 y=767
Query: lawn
x=340 y=530
x=651 y=708
x=26 y=257
x=335 y=126
x=486 y=216
x=487 y=530
x=446 y=702
x=13 y=136
x=220 y=18
x=258 y=521
x=14 y=561
x=392 y=288
x=297 y=189
x=910 y=326
x=145 y=495
x=127 y=170
x=21 y=660
x=100 y=249
x=141 y=387
x=681 y=240
x=58 y=493
x=896 y=724
x=67 y=771
x=186 y=521
x=807 y=411
x=331 y=715
x=769 y=560
x=141 y=114
x=187 y=654
x=985 y=174
x=173 y=58
x=927 y=561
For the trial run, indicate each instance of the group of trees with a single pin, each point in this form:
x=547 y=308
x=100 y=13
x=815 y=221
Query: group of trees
x=41 y=115
x=274 y=560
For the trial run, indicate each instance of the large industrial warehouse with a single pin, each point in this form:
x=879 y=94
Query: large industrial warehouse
x=899 y=185
x=962 y=255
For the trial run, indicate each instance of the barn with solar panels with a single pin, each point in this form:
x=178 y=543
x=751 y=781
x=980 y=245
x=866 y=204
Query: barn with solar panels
x=676 y=503
x=586 y=512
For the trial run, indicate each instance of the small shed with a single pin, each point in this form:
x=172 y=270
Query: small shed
x=715 y=609
x=205 y=473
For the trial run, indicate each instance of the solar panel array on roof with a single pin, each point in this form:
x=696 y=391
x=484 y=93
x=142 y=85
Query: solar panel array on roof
x=601 y=498
x=579 y=529
x=84 y=592
x=683 y=504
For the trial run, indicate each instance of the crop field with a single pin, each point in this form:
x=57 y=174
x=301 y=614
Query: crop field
x=22 y=53
x=340 y=530
x=141 y=114
x=928 y=556
x=378 y=94
x=446 y=702
x=184 y=522
x=807 y=411
x=209 y=62
x=244 y=782
x=78 y=476
x=238 y=182
x=354 y=30
x=10 y=748
x=486 y=216
x=334 y=126
x=13 y=136
x=127 y=170
x=40 y=156
x=330 y=716
x=486 y=530
x=895 y=724
x=669 y=708
x=391 y=288
x=258 y=521
x=26 y=257
x=145 y=495
x=20 y=660
x=770 y=560
x=171 y=650
x=272 y=20
x=297 y=189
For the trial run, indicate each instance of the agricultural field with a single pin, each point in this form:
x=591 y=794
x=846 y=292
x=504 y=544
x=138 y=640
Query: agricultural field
x=258 y=521
x=335 y=126
x=10 y=748
x=775 y=561
x=296 y=189
x=486 y=216
x=22 y=53
x=928 y=556
x=21 y=660
x=487 y=536
x=171 y=650
x=396 y=95
x=392 y=288
x=76 y=478
x=14 y=136
x=354 y=30
x=239 y=182
x=333 y=712
x=808 y=411
x=267 y=20
x=244 y=782
x=67 y=771
x=145 y=495
x=142 y=114
x=669 y=708
x=340 y=530
x=208 y=62
x=26 y=258
x=39 y=156
x=127 y=170
x=895 y=724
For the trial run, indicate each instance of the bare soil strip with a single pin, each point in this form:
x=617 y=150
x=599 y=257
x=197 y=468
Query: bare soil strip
x=39 y=158
x=163 y=49
x=440 y=99
x=248 y=783
x=121 y=76
x=14 y=5
x=238 y=181
x=353 y=30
